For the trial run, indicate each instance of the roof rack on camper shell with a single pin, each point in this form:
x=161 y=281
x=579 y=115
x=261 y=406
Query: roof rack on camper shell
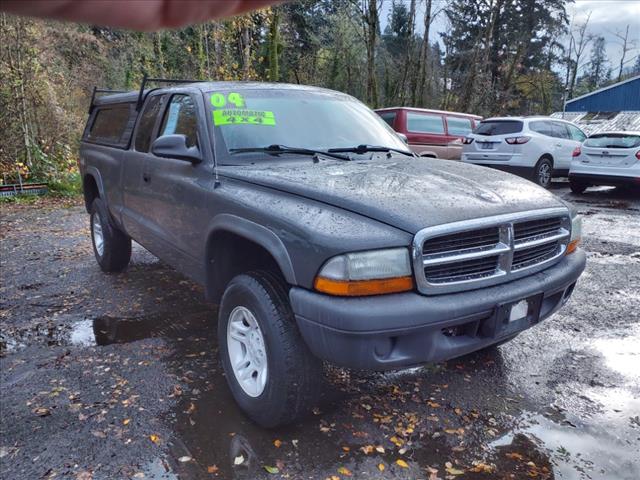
x=141 y=92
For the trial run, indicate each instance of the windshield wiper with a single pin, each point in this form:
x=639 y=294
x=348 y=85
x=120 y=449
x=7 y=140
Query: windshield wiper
x=277 y=149
x=371 y=148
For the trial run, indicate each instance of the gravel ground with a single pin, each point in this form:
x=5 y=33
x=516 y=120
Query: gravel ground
x=116 y=376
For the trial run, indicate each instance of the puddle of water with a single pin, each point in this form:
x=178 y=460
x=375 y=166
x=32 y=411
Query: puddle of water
x=107 y=330
x=591 y=450
x=622 y=354
x=82 y=334
x=158 y=469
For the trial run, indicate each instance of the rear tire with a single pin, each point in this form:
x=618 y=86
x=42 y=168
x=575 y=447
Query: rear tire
x=111 y=246
x=256 y=327
x=577 y=186
x=543 y=172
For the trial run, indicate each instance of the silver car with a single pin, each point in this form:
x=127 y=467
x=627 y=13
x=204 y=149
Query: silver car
x=537 y=148
x=607 y=158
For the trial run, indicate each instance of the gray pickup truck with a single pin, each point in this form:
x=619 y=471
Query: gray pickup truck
x=318 y=234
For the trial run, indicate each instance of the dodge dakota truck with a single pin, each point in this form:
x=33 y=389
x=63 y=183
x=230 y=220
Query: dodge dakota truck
x=318 y=234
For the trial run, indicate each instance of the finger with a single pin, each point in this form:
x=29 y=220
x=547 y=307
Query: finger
x=134 y=14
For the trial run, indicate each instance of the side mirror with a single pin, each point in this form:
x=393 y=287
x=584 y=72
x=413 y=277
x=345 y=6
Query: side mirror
x=175 y=146
x=403 y=137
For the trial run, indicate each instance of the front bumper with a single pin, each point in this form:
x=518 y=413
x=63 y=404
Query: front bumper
x=401 y=330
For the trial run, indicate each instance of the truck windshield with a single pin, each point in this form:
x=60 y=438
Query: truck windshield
x=247 y=120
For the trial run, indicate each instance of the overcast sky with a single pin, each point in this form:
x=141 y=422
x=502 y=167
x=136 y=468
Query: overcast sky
x=607 y=17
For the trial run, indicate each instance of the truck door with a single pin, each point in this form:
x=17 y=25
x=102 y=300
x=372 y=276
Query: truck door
x=135 y=215
x=177 y=191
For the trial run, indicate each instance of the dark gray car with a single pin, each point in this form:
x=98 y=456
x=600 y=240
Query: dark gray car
x=319 y=234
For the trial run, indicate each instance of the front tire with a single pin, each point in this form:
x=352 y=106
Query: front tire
x=542 y=172
x=111 y=246
x=271 y=373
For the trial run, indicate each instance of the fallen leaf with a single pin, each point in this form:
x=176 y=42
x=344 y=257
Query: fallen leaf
x=154 y=438
x=186 y=458
x=380 y=449
x=367 y=449
x=239 y=460
x=84 y=475
x=454 y=471
x=295 y=443
x=480 y=467
x=344 y=471
x=126 y=421
x=433 y=475
x=402 y=463
x=42 y=411
x=514 y=456
x=396 y=441
x=98 y=433
x=433 y=404
x=138 y=475
x=191 y=409
x=212 y=469
x=381 y=467
x=277 y=443
x=272 y=470
x=346 y=449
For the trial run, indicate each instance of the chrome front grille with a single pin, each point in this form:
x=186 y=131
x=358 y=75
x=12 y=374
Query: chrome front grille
x=487 y=251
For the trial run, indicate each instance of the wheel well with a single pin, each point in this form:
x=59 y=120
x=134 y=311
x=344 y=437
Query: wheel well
x=90 y=189
x=546 y=156
x=230 y=254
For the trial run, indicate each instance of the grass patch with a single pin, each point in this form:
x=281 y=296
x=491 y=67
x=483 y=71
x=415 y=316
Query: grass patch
x=67 y=186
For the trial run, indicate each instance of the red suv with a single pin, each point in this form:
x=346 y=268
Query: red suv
x=431 y=133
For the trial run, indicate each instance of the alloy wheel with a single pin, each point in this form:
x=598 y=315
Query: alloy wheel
x=98 y=236
x=544 y=174
x=247 y=351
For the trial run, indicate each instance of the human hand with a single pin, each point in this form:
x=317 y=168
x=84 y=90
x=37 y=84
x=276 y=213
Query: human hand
x=133 y=14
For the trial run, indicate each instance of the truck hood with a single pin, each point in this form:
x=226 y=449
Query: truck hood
x=406 y=193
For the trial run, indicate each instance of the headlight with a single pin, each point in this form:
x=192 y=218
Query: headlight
x=366 y=273
x=576 y=234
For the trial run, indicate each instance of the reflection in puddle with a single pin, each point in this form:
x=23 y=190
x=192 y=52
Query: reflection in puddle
x=107 y=330
x=82 y=334
x=622 y=354
x=158 y=469
x=589 y=450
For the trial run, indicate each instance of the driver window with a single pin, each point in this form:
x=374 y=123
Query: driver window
x=181 y=118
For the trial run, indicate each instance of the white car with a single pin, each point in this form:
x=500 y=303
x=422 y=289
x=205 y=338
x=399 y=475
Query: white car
x=537 y=148
x=608 y=158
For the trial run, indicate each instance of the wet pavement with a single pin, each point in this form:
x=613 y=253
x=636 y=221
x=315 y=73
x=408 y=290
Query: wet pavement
x=116 y=376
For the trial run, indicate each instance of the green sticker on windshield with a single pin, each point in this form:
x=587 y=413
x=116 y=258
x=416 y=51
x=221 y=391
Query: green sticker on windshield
x=243 y=117
x=219 y=100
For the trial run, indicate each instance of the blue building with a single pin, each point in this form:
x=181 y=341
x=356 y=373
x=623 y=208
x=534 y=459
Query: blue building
x=619 y=97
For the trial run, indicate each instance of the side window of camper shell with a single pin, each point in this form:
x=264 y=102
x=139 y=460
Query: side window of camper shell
x=111 y=125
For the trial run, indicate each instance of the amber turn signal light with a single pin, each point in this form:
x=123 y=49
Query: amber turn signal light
x=573 y=246
x=359 y=288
